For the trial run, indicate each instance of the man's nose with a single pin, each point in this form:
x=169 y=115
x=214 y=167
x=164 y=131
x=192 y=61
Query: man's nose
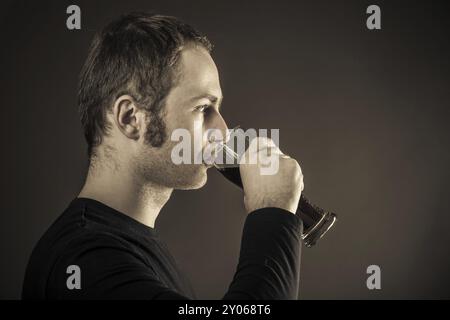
x=220 y=124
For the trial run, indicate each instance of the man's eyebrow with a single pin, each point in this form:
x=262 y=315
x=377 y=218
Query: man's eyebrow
x=210 y=97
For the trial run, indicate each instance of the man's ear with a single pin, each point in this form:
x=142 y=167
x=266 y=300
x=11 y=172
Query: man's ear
x=127 y=117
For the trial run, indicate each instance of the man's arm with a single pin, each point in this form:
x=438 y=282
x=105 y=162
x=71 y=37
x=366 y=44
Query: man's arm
x=269 y=262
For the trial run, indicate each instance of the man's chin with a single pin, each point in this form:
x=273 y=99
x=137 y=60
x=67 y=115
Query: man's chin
x=196 y=181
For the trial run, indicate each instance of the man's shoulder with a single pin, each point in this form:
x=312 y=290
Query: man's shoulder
x=72 y=234
x=67 y=238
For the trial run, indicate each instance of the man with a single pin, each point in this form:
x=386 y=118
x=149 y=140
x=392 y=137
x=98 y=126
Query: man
x=146 y=76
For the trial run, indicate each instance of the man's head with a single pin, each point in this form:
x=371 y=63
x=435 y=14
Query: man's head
x=145 y=76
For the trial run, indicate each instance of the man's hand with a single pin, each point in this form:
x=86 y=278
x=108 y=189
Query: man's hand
x=281 y=190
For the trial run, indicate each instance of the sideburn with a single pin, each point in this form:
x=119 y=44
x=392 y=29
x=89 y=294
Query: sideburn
x=156 y=133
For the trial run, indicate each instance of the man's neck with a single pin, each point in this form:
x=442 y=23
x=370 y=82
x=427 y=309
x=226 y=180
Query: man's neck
x=120 y=190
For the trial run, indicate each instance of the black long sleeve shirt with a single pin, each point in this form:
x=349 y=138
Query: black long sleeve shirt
x=120 y=258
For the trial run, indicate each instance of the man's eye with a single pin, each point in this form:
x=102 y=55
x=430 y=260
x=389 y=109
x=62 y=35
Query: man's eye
x=203 y=108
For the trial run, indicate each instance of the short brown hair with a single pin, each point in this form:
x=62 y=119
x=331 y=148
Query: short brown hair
x=134 y=55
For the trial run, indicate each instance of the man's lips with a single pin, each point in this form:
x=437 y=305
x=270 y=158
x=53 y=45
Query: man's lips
x=209 y=154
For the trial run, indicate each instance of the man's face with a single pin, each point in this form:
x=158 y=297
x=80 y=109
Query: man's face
x=192 y=104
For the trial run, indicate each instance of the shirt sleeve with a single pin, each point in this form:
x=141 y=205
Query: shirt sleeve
x=268 y=266
x=269 y=262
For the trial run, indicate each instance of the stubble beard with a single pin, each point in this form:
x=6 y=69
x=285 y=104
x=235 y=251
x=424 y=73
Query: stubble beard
x=154 y=164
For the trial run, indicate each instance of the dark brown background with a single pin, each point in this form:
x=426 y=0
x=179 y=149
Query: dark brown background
x=365 y=113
